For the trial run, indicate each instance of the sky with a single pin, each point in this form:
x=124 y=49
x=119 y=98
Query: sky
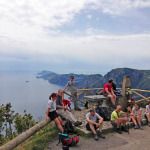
x=74 y=36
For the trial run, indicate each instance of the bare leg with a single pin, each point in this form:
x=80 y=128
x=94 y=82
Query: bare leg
x=134 y=121
x=100 y=127
x=112 y=99
x=92 y=128
x=118 y=123
x=61 y=121
x=139 y=120
x=56 y=120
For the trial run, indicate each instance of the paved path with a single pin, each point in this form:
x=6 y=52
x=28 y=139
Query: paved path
x=136 y=140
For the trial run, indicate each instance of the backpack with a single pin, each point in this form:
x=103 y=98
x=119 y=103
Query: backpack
x=103 y=112
x=68 y=141
x=68 y=128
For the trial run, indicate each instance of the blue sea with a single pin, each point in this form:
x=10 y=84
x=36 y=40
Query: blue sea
x=25 y=92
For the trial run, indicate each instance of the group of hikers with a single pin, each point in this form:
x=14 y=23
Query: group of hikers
x=57 y=106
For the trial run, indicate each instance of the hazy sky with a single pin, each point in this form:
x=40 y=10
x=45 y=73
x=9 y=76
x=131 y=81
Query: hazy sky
x=86 y=36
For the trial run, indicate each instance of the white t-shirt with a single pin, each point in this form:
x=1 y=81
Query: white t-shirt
x=52 y=105
x=136 y=112
x=93 y=118
x=148 y=108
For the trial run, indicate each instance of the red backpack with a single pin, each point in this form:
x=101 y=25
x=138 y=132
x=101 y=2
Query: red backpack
x=68 y=140
x=71 y=141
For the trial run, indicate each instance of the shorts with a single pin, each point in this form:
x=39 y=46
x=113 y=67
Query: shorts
x=53 y=115
x=88 y=127
x=113 y=123
x=105 y=94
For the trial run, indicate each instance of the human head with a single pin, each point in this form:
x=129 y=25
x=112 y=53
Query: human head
x=53 y=96
x=71 y=78
x=129 y=107
x=110 y=81
x=92 y=111
x=60 y=92
x=118 y=109
x=137 y=106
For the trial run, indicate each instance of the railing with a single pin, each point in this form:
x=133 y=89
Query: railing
x=143 y=97
x=83 y=91
x=86 y=91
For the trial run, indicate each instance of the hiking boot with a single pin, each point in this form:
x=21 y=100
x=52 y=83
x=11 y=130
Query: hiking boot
x=100 y=134
x=77 y=123
x=136 y=127
x=78 y=109
x=124 y=129
x=141 y=127
x=119 y=131
x=96 y=137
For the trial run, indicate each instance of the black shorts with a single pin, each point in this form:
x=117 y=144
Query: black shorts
x=88 y=127
x=114 y=124
x=105 y=94
x=53 y=115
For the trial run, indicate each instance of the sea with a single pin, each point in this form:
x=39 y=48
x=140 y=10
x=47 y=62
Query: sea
x=26 y=92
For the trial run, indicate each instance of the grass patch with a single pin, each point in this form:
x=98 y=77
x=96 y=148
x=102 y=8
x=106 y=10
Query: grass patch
x=40 y=139
x=82 y=134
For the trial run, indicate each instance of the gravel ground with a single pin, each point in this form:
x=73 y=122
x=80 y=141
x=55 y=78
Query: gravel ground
x=136 y=140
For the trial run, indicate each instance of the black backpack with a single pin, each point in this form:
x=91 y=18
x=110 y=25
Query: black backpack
x=103 y=112
x=69 y=129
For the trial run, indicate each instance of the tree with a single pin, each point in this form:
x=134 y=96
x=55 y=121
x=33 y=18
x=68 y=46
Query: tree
x=22 y=123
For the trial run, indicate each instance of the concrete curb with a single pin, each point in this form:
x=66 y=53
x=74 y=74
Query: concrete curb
x=110 y=128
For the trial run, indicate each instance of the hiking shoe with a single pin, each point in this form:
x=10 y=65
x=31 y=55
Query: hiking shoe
x=77 y=123
x=124 y=129
x=100 y=134
x=136 y=127
x=119 y=131
x=141 y=127
x=96 y=137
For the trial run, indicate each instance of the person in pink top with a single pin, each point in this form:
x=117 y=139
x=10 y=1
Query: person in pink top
x=108 y=91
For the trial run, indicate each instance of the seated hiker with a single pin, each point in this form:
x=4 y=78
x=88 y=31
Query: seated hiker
x=117 y=121
x=136 y=116
x=94 y=121
x=108 y=91
x=66 y=103
x=128 y=111
x=51 y=112
x=147 y=113
x=63 y=110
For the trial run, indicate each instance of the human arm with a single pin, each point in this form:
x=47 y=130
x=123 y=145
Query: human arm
x=47 y=112
x=106 y=89
x=92 y=122
x=100 y=119
x=112 y=92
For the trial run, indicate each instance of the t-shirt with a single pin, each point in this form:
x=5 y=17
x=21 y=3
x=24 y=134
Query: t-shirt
x=59 y=101
x=107 y=86
x=136 y=111
x=93 y=118
x=148 y=108
x=52 y=105
x=114 y=114
x=72 y=86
